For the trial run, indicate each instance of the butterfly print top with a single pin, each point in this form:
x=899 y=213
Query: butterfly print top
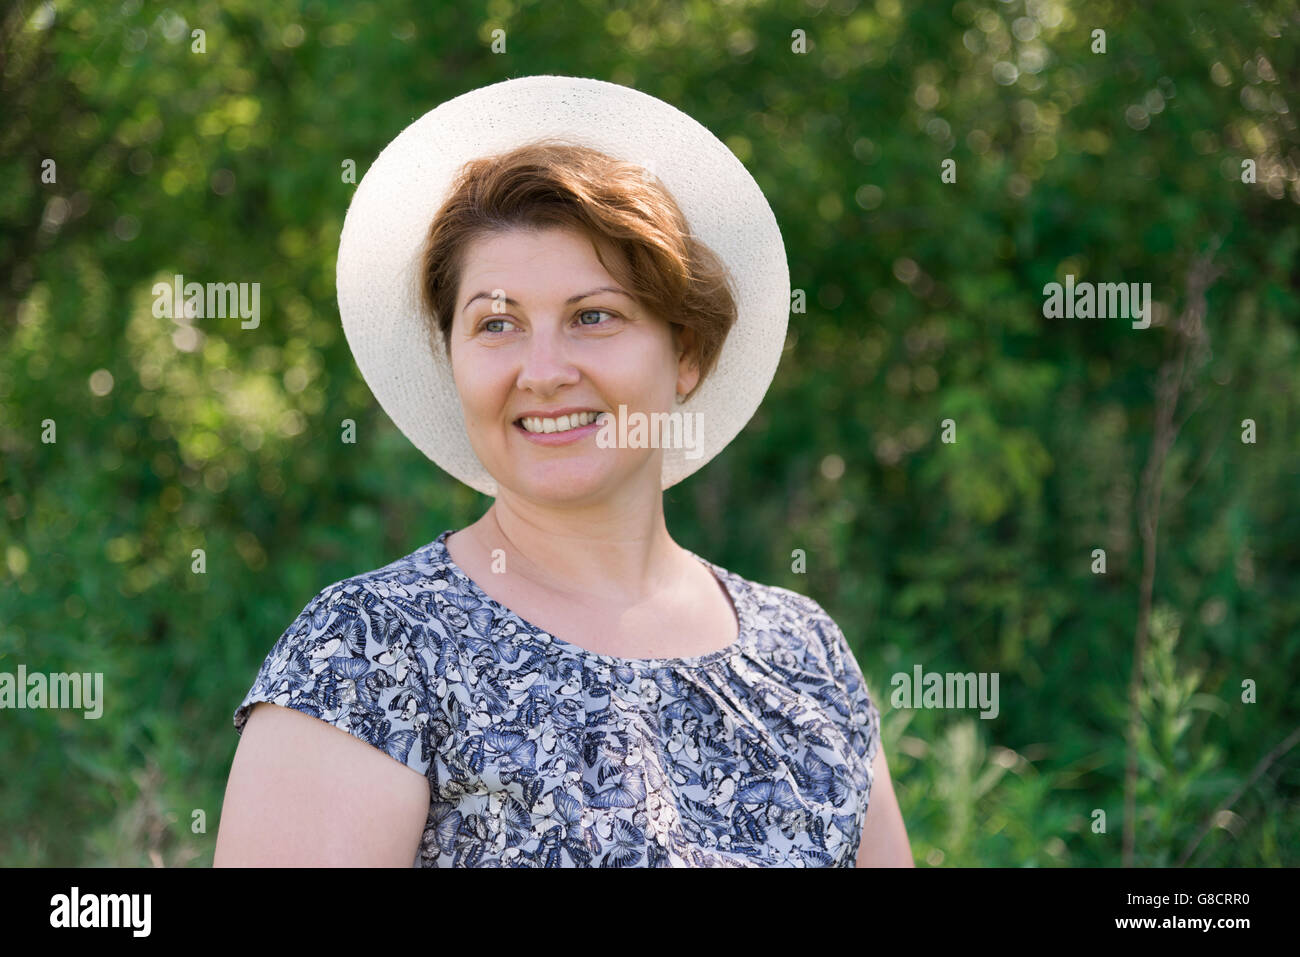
x=540 y=753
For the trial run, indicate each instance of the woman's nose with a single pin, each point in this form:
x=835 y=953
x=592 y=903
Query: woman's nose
x=546 y=364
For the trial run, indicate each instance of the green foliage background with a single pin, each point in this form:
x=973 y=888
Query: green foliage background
x=924 y=302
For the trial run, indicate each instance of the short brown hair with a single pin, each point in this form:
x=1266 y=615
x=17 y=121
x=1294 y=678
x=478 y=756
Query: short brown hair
x=550 y=183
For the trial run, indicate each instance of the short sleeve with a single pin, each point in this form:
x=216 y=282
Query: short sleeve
x=863 y=715
x=347 y=660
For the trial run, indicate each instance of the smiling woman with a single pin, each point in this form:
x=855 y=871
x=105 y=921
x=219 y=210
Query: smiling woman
x=560 y=683
x=513 y=364
x=555 y=216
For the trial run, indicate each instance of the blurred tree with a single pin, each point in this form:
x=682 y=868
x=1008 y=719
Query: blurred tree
x=130 y=155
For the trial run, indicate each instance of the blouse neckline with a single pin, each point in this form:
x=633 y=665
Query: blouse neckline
x=729 y=583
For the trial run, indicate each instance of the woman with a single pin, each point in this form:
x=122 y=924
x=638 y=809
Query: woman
x=559 y=683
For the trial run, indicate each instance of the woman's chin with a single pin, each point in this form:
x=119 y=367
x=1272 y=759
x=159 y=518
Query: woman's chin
x=565 y=482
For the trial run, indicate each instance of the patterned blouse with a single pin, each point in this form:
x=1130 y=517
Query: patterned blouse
x=540 y=753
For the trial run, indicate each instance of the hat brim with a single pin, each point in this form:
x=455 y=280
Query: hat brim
x=387 y=223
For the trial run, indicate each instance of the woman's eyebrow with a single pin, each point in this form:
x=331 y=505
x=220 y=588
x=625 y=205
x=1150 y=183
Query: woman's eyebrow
x=572 y=299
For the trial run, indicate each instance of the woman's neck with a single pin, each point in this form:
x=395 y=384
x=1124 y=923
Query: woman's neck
x=629 y=557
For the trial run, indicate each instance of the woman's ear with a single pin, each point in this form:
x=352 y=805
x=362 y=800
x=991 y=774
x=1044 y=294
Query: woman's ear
x=688 y=360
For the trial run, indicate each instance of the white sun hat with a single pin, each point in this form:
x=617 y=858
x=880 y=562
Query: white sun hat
x=387 y=224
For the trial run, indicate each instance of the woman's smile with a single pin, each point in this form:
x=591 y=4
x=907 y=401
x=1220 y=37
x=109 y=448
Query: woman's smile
x=563 y=427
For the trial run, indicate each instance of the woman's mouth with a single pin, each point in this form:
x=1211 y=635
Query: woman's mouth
x=559 y=430
x=563 y=423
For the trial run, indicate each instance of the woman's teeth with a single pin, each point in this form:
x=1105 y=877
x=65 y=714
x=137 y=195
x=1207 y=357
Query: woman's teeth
x=563 y=424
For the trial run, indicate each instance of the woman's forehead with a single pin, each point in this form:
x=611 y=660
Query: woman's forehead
x=548 y=263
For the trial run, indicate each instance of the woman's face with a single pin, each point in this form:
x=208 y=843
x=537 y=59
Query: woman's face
x=542 y=330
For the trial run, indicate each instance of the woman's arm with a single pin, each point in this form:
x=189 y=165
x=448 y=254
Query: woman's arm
x=884 y=836
x=305 y=794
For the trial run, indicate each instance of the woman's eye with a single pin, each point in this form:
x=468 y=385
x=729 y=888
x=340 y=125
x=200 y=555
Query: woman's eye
x=489 y=322
x=589 y=312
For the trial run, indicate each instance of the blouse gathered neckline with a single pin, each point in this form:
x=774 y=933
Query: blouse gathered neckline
x=728 y=583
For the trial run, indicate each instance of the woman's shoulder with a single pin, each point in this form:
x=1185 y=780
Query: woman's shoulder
x=403 y=589
x=355 y=657
x=797 y=615
x=801 y=624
